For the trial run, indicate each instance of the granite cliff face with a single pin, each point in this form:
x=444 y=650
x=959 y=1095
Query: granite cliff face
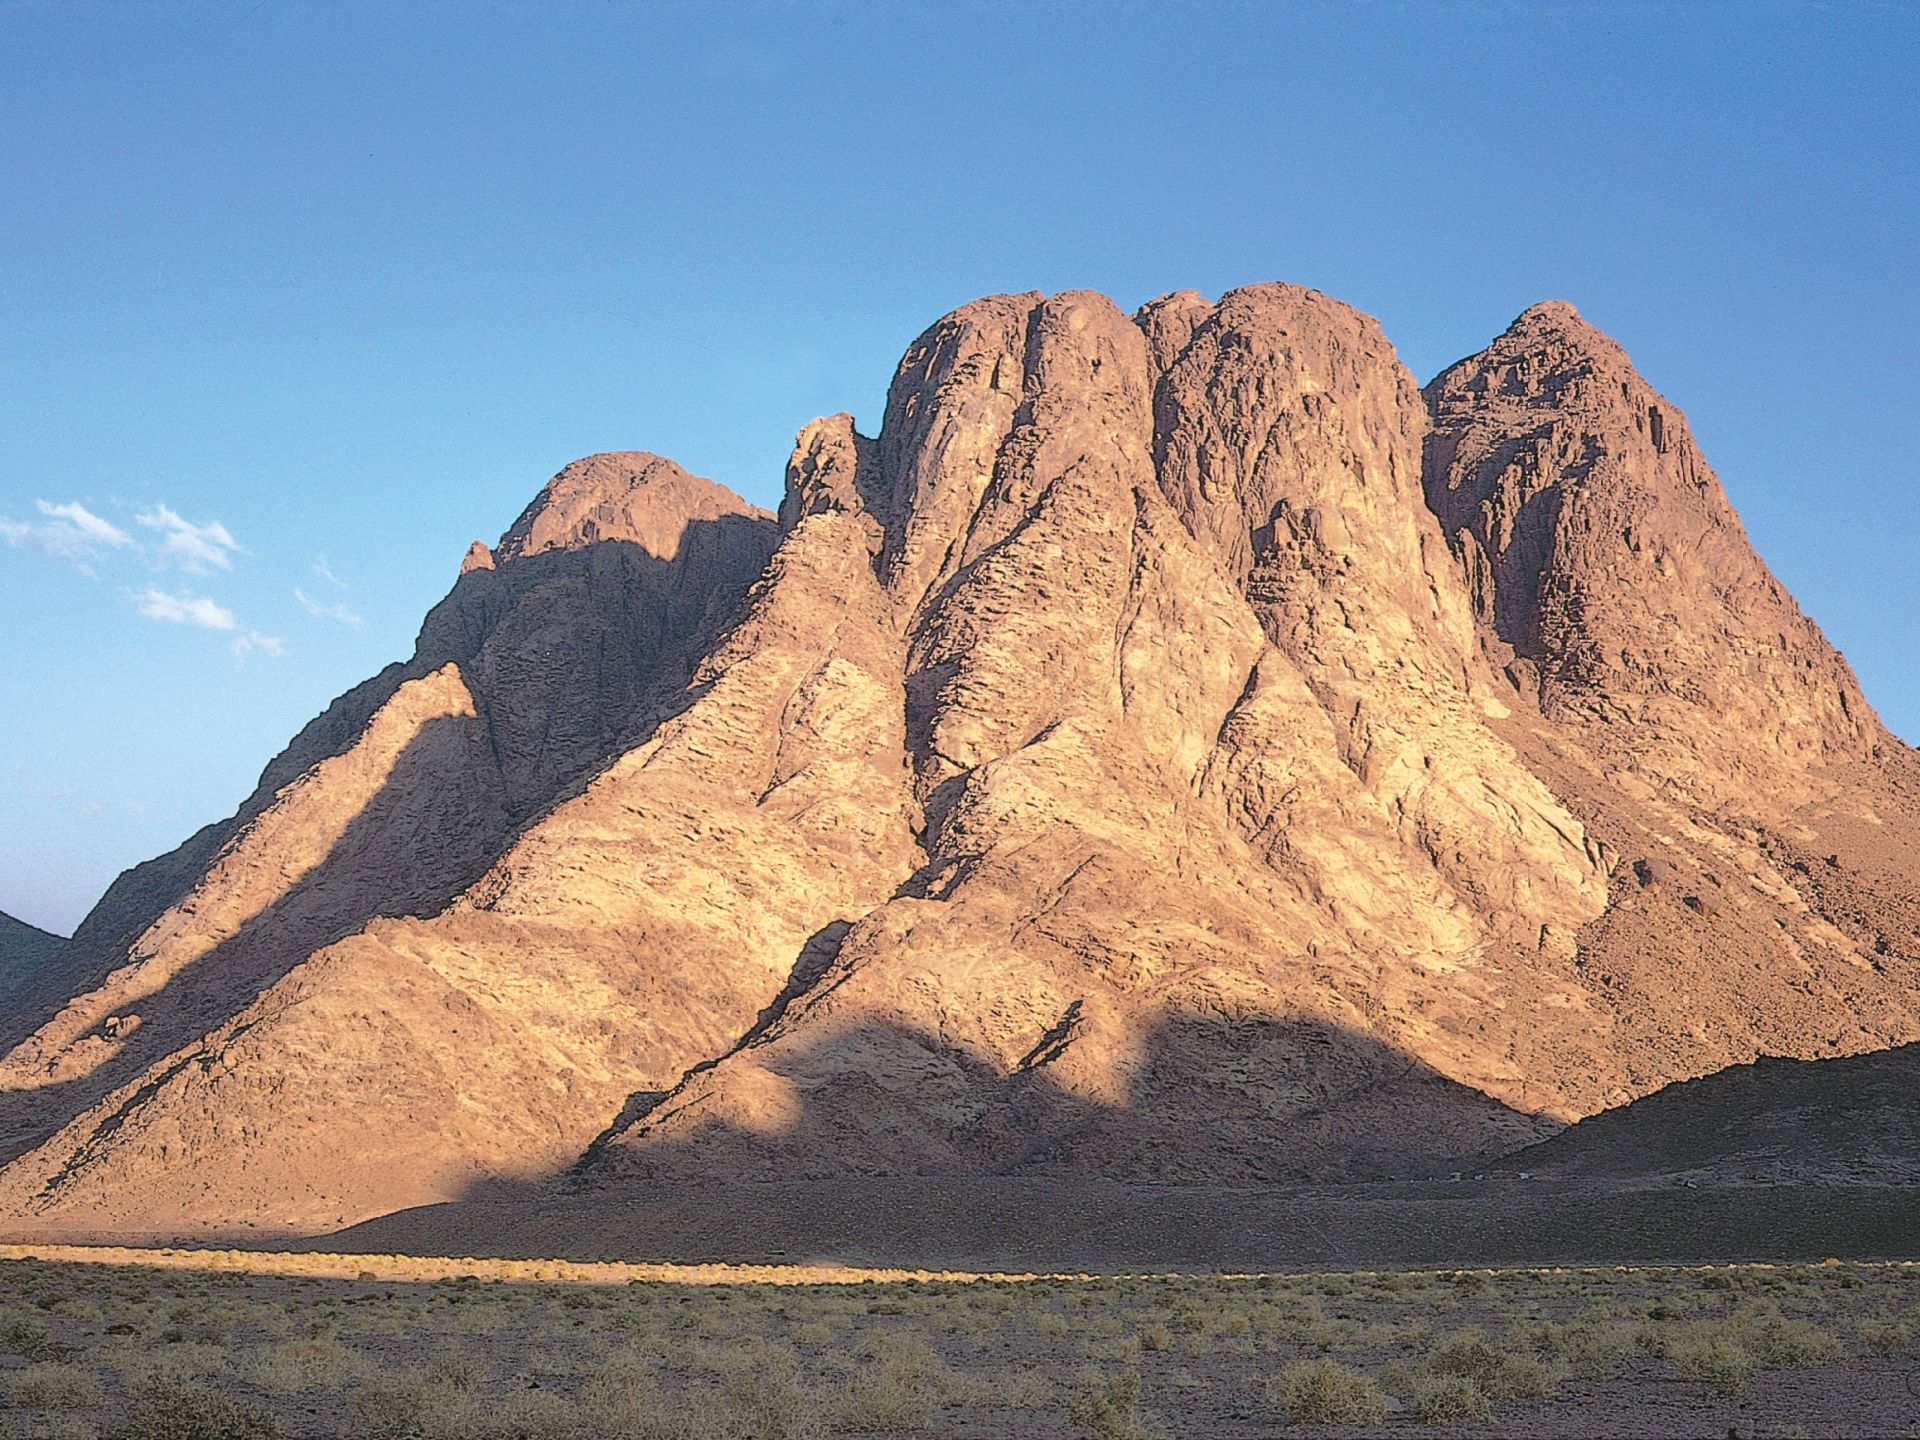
x=1174 y=748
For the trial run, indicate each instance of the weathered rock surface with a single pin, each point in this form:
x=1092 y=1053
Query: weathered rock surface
x=1173 y=749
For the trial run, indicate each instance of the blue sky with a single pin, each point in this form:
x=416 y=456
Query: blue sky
x=296 y=300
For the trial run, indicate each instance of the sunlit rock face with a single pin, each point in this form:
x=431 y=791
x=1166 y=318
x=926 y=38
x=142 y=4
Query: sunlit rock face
x=1174 y=748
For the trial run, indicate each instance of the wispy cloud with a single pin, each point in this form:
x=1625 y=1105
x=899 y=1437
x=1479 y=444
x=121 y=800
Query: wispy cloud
x=341 y=611
x=252 y=641
x=69 y=532
x=200 y=611
x=323 y=571
x=197 y=549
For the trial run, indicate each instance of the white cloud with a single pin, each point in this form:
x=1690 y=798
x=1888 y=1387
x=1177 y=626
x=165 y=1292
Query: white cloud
x=324 y=572
x=342 y=612
x=104 y=532
x=196 y=610
x=252 y=641
x=70 y=532
x=194 y=548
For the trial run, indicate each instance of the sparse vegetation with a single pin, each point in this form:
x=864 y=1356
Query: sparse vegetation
x=1325 y=1392
x=1716 y=1361
x=511 y=1350
x=1109 y=1409
x=51 y=1385
x=1448 y=1399
x=165 y=1408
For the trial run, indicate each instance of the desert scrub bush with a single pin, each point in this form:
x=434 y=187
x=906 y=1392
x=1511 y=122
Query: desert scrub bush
x=1385 y=1335
x=455 y=1369
x=902 y=1388
x=1025 y=1387
x=1051 y=1324
x=812 y=1332
x=1325 y=1392
x=1108 y=1408
x=767 y=1402
x=389 y=1404
x=320 y=1363
x=525 y=1415
x=1496 y=1373
x=189 y=1360
x=474 y=1319
x=168 y=1408
x=51 y=1385
x=1196 y=1343
x=1447 y=1399
x=1886 y=1337
x=1398 y=1283
x=1591 y=1348
x=1155 y=1335
x=1779 y=1343
x=622 y=1398
x=30 y=1340
x=1713 y=1360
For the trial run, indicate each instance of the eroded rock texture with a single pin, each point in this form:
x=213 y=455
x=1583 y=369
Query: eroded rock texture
x=1175 y=748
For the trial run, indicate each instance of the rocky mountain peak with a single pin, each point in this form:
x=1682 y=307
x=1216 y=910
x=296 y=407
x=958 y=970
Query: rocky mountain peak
x=1611 y=575
x=631 y=496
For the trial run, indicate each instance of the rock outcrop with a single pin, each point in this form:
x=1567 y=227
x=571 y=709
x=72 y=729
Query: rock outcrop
x=1173 y=749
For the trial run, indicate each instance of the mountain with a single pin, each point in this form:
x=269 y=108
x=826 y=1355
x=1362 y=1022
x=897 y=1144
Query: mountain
x=24 y=949
x=1176 y=748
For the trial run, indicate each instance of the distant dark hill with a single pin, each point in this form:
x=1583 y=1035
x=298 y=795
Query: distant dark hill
x=22 y=949
x=1853 y=1119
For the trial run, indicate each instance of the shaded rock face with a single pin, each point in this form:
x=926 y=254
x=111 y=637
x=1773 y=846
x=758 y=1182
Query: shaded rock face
x=1173 y=749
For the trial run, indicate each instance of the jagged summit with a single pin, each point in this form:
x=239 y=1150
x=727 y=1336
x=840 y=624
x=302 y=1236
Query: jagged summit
x=1174 y=748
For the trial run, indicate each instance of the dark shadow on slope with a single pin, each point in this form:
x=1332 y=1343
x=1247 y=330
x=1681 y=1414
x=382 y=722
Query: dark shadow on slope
x=816 y=956
x=815 y=1191
x=135 y=899
x=429 y=831
x=1256 y=1102
x=384 y=864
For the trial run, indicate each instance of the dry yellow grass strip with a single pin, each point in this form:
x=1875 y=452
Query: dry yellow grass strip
x=322 y=1265
x=328 y=1266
